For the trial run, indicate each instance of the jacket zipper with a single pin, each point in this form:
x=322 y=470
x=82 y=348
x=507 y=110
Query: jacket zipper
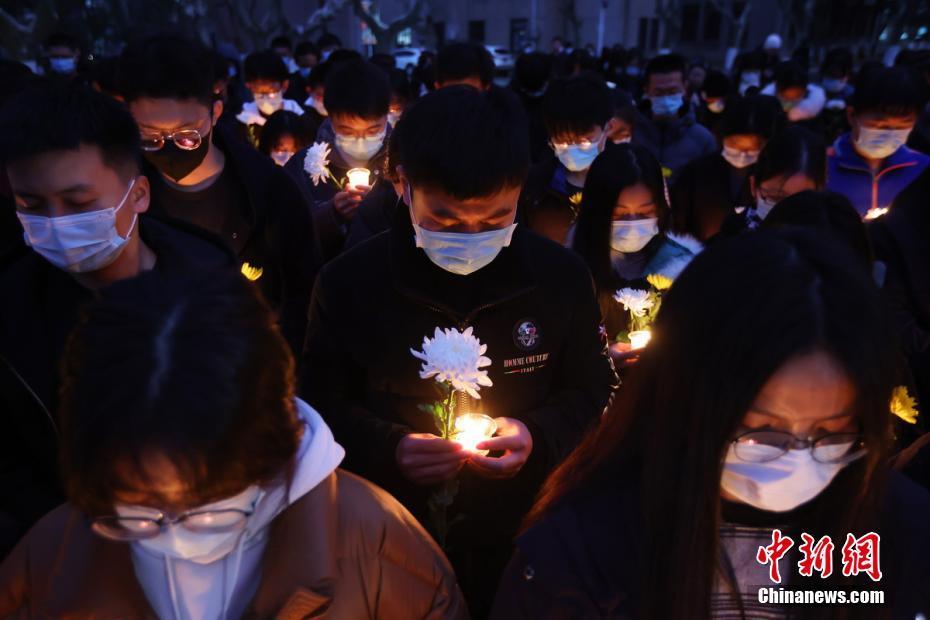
x=32 y=393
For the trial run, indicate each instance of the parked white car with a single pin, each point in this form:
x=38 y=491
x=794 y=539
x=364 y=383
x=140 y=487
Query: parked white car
x=503 y=57
x=407 y=57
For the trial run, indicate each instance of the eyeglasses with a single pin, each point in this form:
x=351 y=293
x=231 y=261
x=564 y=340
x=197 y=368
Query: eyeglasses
x=185 y=139
x=140 y=528
x=584 y=144
x=768 y=445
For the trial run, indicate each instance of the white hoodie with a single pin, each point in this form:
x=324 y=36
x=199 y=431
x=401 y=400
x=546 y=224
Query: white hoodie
x=186 y=590
x=251 y=116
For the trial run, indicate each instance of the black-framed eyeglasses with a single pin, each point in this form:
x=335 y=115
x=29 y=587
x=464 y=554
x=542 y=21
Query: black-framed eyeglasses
x=122 y=528
x=762 y=446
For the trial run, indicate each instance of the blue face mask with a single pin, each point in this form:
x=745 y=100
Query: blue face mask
x=575 y=158
x=880 y=143
x=304 y=72
x=460 y=253
x=667 y=105
x=62 y=65
x=360 y=149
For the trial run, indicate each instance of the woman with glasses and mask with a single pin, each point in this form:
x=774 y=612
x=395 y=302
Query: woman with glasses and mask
x=622 y=231
x=761 y=403
x=201 y=487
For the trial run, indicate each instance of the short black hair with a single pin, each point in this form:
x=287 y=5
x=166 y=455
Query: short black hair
x=790 y=74
x=464 y=142
x=572 y=106
x=716 y=84
x=328 y=39
x=342 y=55
x=532 y=71
x=793 y=150
x=51 y=116
x=61 y=39
x=265 y=65
x=306 y=47
x=459 y=61
x=760 y=115
x=838 y=60
x=357 y=88
x=283 y=123
x=891 y=91
x=281 y=41
x=191 y=368
x=166 y=67
x=665 y=63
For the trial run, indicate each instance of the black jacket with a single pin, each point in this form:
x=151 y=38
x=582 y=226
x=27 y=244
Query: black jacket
x=44 y=304
x=582 y=559
x=375 y=213
x=330 y=227
x=374 y=304
x=280 y=240
x=549 y=204
x=705 y=193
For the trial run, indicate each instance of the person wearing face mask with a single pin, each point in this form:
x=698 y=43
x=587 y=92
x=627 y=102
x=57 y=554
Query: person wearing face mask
x=837 y=73
x=283 y=135
x=71 y=155
x=357 y=98
x=267 y=79
x=61 y=55
x=622 y=232
x=801 y=100
x=713 y=96
x=203 y=174
x=755 y=406
x=792 y=161
x=577 y=114
x=200 y=487
x=709 y=188
x=667 y=126
x=307 y=56
x=871 y=165
x=455 y=257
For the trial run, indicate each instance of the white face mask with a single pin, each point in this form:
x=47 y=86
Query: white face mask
x=780 y=485
x=624 y=140
x=748 y=80
x=763 y=207
x=269 y=103
x=360 y=149
x=739 y=159
x=717 y=106
x=80 y=242
x=393 y=117
x=281 y=157
x=880 y=143
x=460 y=253
x=628 y=236
x=177 y=542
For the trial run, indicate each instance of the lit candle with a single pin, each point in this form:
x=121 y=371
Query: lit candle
x=875 y=213
x=639 y=339
x=473 y=428
x=358 y=176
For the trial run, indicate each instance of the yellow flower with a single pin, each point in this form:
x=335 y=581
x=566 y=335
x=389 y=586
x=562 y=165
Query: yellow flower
x=575 y=198
x=252 y=273
x=659 y=282
x=666 y=172
x=903 y=405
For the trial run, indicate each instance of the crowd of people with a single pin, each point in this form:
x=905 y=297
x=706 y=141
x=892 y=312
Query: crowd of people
x=217 y=276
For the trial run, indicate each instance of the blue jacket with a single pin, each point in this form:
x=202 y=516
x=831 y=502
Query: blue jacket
x=849 y=174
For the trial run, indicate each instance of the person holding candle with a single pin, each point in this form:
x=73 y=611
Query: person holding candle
x=357 y=98
x=200 y=487
x=662 y=513
x=454 y=258
x=622 y=232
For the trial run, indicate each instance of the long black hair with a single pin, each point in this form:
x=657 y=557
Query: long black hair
x=741 y=310
x=793 y=150
x=616 y=168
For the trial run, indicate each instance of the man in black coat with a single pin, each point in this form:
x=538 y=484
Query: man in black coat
x=459 y=264
x=204 y=175
x=72 y=156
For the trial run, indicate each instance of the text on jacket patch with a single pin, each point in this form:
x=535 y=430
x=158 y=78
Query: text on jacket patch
x=526 y=364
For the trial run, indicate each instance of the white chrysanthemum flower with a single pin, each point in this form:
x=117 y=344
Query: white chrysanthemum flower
x=637 y=301
x=457 y=358
x=316 y=163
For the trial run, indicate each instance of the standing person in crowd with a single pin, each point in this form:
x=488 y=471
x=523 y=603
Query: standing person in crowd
x=918 y=60
x=307 y=56
x=667 y=126
x=801 y=100
x=772 y=57
x=203 y=175
x=314 y=96
x=328 y=43
x=578 y=116
x=199 y=486
x=836 y=73
x=455 y=258
x=358 y=98
x=464 y=63
x=715 y=92
x=794 y=160
x=284 y=48
x=72 y=157
x=283 y=135
x=266 y=77
x=710 y=188
x=401 y=95
x=622 y=232
x=530 y=83
x=662 y=513
x=62 y=53
x=871 y=165
x=748 y=72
